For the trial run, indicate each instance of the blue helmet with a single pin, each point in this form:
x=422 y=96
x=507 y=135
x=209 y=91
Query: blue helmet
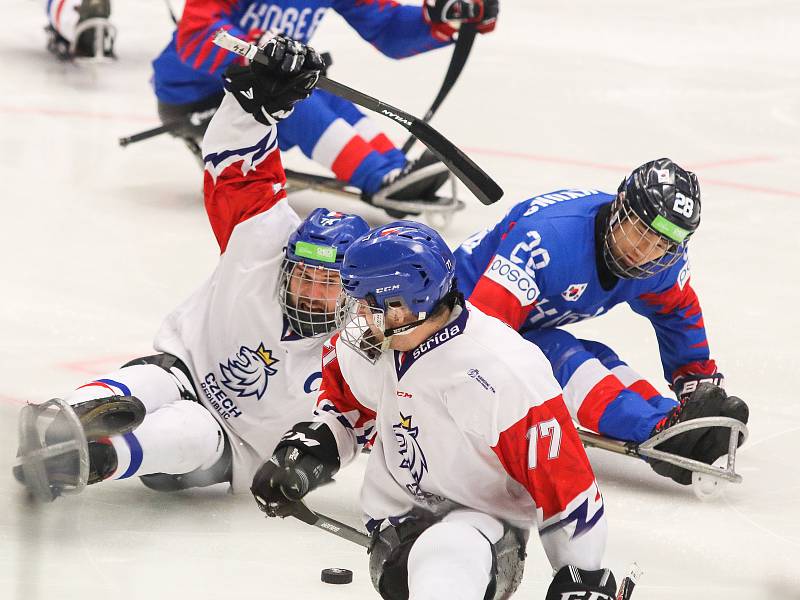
x=310 y=280
x=402 y=260
x=323 y=236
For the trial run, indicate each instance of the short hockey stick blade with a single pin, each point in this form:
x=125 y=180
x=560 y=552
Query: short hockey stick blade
x=476 y=179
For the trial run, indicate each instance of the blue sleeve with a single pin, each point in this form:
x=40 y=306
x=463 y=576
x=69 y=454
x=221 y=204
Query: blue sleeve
x=396 y=30
x=674 y=311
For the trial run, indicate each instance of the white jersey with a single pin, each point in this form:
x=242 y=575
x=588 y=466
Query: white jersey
x=453 y=422
x=250 y=370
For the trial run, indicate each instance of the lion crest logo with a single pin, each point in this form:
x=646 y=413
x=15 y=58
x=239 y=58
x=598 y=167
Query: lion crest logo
x=413 y=457
x=247 y=373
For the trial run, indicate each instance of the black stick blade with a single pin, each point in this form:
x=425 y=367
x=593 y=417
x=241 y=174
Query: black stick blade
x=476 y=179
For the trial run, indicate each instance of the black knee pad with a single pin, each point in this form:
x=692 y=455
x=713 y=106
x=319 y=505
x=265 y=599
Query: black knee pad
x=168 y=362
x=388 y=561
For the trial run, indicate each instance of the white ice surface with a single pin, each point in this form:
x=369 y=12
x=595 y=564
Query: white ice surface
x=98 y=243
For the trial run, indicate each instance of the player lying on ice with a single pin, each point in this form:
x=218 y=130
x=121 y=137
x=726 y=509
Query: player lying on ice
x=239 y=361
x=571 y=255
x=473 y=444
x=329 y=130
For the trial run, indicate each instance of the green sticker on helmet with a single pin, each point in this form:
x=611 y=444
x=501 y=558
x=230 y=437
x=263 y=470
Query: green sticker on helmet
x=316 y=252
x=672 y=231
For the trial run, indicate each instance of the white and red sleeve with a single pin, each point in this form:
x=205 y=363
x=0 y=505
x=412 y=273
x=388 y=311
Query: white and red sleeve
x=243 y=172
x=351 y=422
x=542 y=451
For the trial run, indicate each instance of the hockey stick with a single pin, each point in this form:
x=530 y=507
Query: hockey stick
x=466 y=36
x=196 y=119
x=475 y=178
x=150 y=133
x=629 y=582
x=301 y=512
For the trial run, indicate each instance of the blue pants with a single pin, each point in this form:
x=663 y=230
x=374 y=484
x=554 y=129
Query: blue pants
x=601 y=391
x=335 y=134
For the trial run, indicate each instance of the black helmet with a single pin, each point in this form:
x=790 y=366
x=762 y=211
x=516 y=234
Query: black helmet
x=658 y=196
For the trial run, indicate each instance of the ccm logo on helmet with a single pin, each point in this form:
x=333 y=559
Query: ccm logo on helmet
x=514 y=279
x=388 y=288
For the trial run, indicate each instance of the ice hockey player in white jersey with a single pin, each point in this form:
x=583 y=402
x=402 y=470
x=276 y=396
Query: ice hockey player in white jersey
x=239 y=360
x=80 y=29
x=473 y=444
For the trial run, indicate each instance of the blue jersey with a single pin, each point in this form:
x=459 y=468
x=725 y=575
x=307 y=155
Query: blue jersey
x=189 y=68
x=538 y=268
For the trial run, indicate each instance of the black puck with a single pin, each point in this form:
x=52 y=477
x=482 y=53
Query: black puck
x=337 y=576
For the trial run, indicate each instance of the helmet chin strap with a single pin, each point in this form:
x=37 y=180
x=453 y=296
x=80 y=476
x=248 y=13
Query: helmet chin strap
x=389 y=334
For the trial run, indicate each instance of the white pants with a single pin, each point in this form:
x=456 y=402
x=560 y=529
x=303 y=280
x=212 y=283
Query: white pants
x=177 y=436
x=453 y=558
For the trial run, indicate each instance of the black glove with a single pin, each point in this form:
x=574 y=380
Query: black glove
x=269 y=92
x=685 y=385
x=443 y=13
x=306 y=457
x=572 y=582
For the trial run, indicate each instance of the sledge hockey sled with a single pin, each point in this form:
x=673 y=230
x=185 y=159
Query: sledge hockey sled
x=438 y=212
x=708 y=481
x=48 y=431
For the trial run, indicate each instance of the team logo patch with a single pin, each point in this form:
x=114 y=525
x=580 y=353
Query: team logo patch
x=514 y=279
x=413 y=456
x=573 y=291
x=247 y=373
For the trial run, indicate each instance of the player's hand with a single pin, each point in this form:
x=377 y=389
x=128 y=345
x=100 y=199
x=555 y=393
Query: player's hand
x=685 y=385
x=572 y=582
x=306 y=457
x=283 y=479
x=269 y=91
x=446 y=16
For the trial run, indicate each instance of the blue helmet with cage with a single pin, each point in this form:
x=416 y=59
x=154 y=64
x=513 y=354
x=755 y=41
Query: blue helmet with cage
x=323 y=237
x=310 y=281
x=402 y=260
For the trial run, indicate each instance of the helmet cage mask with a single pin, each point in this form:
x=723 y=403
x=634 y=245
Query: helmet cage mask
x=362 y=323
x=305 y=294
x=674 y=245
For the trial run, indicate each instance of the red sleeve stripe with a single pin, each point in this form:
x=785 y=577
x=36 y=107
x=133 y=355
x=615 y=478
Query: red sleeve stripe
x=676 y=299
x=335 y=395
x=495 y=300
x=561 y=473
x=227 y=204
